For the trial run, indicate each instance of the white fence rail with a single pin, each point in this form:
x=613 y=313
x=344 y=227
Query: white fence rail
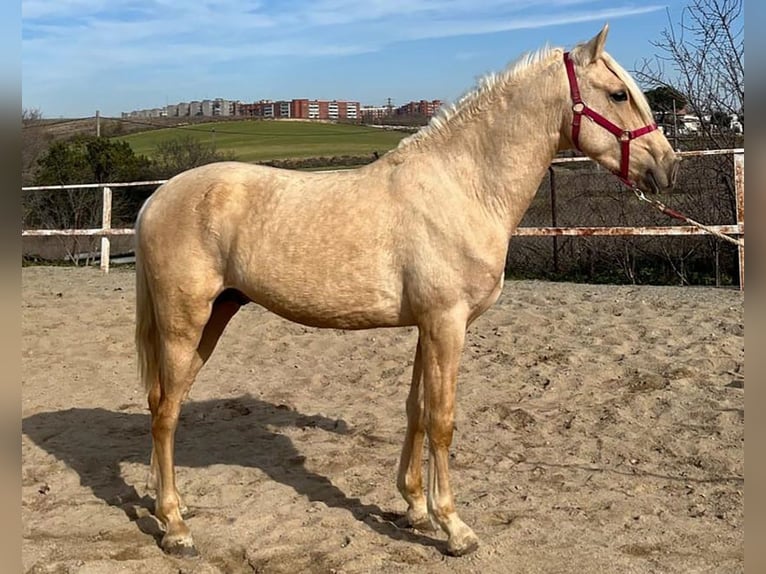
x=106 y=230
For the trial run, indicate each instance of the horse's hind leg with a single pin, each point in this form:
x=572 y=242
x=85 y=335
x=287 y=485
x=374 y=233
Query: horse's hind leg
x=223 y=310
x=180 y=366
x=188 y=343
x=410 y=478
x=442 y=339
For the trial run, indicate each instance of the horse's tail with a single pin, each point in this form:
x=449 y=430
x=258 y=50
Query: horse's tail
x=147 y=333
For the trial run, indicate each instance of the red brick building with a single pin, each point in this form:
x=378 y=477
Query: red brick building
x=306 y=109
x=426 y=108
x=303 y=109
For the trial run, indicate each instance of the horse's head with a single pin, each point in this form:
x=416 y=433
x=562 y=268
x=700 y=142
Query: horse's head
x=611 y=122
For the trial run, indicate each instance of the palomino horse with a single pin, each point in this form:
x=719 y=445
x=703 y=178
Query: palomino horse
x=418 y=238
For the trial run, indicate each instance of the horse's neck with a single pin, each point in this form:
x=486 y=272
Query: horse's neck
x=520 y=139
x=501 y=153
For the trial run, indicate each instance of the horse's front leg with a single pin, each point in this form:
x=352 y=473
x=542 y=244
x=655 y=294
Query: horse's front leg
x=442 y=340
x=410 y=477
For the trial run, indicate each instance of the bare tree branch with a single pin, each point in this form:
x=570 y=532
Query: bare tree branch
x=703 y=57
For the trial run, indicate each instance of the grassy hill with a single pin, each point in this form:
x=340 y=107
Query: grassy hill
x=261 y=140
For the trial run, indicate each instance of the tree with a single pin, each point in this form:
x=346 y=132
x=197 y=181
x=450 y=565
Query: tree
x=87 y=159
x=174 y=156
x=34 y=142
x=721 y=120
x=665 y=101
x=62 y=164
x=30 y=115
x=113 y=161
x=705 y=51
x=702 y=56
x=84 y=159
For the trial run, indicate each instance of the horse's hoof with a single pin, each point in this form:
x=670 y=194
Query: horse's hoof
x=422 y=523
x=183 y=547
x=462 y=547
x=181 y=550
x=417 y=521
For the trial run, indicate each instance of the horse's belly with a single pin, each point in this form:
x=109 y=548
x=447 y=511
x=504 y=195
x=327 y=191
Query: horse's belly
x=339 y=306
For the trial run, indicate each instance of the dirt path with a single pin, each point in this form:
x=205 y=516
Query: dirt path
x=599 y=429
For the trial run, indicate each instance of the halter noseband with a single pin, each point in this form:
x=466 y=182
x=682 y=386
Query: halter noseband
x=623 y=136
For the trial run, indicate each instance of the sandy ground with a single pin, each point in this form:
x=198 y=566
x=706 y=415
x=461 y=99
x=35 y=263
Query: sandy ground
x=599 y=429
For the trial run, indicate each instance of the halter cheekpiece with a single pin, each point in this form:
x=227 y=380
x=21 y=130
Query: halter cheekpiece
x=580 y=109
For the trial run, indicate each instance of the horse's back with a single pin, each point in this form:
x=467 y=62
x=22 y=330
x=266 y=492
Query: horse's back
x=206 y=192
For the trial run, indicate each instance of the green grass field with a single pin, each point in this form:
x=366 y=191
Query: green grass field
x=261 y=140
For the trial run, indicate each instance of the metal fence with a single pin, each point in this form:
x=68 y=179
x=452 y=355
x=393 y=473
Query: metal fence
x=737 y=229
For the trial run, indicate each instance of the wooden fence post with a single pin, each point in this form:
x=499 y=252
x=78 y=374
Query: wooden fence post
x=554 y=220
x=739 y=194
x=106 y=226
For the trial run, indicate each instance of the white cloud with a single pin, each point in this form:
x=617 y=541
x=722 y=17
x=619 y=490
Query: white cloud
x=68 y=42
x=90 y=30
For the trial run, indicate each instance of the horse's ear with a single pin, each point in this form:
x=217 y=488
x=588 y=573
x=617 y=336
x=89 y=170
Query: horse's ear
x=593 y=49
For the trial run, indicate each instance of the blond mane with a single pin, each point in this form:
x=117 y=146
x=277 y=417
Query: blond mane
x=476 y=99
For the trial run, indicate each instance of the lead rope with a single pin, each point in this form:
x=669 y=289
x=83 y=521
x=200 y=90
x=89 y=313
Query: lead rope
x=673 y=213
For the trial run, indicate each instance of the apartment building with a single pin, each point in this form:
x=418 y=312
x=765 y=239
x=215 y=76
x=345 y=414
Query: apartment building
x=210 y=108
x=298 y=108
x=302 y=108
x=426 y=108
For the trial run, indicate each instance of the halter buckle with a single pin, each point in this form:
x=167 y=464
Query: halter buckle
x=578 y=107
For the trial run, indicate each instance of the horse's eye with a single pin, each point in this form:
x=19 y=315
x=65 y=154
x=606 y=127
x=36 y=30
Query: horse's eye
x=619 y=96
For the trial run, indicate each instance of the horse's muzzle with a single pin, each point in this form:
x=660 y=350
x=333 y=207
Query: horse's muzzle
x=663 y=177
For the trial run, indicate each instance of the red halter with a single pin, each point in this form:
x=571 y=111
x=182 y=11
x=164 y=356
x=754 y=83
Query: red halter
x=623 y=136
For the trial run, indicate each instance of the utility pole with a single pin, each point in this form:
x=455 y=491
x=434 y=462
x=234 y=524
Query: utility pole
x=98 y=124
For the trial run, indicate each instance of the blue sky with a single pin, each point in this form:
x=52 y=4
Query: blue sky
x=79 y=56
